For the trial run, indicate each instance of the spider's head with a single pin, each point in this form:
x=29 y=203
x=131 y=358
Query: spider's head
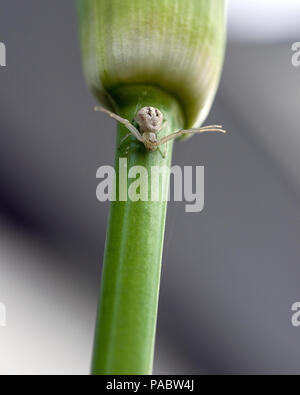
x=150 y=120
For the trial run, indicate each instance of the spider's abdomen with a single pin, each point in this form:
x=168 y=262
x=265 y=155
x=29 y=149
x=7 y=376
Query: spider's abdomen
x=149 y=136
x=149 y=141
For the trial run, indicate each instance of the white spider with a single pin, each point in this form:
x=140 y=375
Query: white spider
x=150 y=122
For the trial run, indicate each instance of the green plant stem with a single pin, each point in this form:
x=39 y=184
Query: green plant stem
x=126 y=323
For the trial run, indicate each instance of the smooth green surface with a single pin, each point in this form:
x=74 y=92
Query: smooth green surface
x=178 y=45
x=125 y=332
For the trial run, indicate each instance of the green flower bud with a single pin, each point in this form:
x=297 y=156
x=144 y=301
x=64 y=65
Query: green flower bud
x=175 y=45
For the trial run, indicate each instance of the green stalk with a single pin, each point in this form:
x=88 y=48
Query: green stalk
x=125 y=330
x=160 y=53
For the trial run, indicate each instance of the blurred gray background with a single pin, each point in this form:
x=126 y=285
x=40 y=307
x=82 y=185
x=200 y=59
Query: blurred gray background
x=230 y=273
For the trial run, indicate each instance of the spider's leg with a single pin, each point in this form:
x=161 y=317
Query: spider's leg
x=204 y=129
x=172 y=136
x=213 y=128
x=123 y=121
x=164 y=152
x=124 y=138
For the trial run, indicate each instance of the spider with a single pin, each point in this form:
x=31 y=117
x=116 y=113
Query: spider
x=150 y=122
